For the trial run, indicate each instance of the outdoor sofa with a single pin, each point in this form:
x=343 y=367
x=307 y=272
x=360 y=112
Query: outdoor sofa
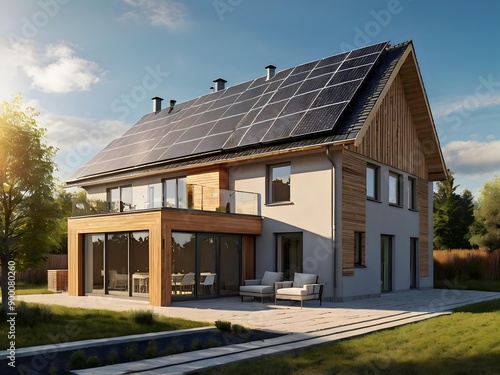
x=261 y=287
x=304 y=287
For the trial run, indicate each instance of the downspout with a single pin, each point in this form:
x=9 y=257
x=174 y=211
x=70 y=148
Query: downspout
x=330 y=157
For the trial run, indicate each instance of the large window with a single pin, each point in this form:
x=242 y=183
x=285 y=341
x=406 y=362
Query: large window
x=175 y=193
x=117 y=263
x=372 y=182
x=120 y=199
x=395 y=189
x=412 y=193
x=279 y=183
x=290 y=255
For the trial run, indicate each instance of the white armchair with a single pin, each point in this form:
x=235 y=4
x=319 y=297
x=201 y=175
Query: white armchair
x=261 y=287
x=304 y=287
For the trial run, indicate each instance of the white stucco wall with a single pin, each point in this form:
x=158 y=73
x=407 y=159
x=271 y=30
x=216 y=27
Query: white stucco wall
x=383 y=219
x=309 y=212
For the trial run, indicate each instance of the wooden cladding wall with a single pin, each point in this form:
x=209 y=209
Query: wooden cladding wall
x=423 y=209
x=205 y=188
x=78 y=227
x=391 y=138
x=353 y=206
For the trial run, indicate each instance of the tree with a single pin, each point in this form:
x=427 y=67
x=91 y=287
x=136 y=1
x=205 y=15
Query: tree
x=27 y=206
x=486 y=231
x=453 y=215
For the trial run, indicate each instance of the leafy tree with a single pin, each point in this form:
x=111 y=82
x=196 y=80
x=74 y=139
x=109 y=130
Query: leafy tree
x=486 y=231
x=27 y=206
x=453 y=215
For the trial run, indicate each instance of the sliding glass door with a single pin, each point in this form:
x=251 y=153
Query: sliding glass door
x=205 y=265
x=117 y=263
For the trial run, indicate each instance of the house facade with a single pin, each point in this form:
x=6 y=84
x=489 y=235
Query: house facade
x=324 y=168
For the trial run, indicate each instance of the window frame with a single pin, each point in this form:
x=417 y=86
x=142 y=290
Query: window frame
x=177 y=195
x=412 y=193
x=122 y=206
x=298 y=266
x=270 y=190
x=394 y=176
x=359 y=249
x=375 y=184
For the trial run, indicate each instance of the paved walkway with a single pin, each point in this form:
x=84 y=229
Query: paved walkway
x=311 y=325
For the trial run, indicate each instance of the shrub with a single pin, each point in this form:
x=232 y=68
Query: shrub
x=92 y=361
x=239 y=329
x=144 y=317
x=131 y=353
x=223 y=326
x=77 y=360
x=151 y=351
x=53 y=370
x=113 y=357
x=212 y=343
x=174 y=348
x=195 y=345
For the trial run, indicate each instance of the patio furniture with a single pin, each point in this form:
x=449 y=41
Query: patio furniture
x=207 y=286
x=141 y=282
x=187 y=283
x=304 y=287
x=117 y=280
x=261 y=287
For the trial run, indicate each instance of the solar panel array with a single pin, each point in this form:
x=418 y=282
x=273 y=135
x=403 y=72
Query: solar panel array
x=305 y=100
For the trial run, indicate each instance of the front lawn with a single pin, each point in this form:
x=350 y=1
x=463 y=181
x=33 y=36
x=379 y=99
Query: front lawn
x=466 y=342
x=482 y=285
x=43 y=324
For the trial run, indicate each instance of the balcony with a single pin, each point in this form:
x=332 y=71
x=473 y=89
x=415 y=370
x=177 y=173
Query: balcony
x=147 y=197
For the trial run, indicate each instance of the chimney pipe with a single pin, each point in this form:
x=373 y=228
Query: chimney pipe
x=270 y=71
x=156 y=104
x=172 y=104
x=219 y=84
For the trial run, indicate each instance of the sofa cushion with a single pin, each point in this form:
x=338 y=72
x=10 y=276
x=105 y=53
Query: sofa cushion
x=258 y=289
x=292 y=292
x=270 y=278
x=300 y=279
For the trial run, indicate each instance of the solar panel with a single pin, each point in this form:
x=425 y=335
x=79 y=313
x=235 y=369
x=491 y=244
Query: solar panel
x=303 y=100
x=318 y=120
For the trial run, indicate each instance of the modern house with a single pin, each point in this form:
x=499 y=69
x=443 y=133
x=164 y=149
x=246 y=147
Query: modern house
x=324 y=168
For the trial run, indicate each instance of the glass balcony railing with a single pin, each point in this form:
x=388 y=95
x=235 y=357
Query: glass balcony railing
x=196 y=197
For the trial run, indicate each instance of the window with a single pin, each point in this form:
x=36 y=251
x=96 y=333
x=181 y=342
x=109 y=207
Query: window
x=289 y=254
x=120 y=199
x=412 y=193
x=394 y=189
x=359 y=248
x=175 y=193
x=372 y=173
x=279 y=183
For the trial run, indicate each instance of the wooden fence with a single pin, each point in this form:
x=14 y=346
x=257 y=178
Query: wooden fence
x=39 y=275
x=466 y=264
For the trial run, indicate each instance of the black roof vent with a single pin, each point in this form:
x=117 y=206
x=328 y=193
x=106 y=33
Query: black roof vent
x=219 y=84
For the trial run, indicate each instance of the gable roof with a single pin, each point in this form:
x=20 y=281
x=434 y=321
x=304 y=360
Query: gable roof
x=321 y=102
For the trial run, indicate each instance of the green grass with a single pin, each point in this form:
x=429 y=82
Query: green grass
x=483 y=285
x=46 y=324
x=23 y=288
x=466 y=342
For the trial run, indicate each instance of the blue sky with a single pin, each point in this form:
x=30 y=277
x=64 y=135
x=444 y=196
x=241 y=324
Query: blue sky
x=92 y=67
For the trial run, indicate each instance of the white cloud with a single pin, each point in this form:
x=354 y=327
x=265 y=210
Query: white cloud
x=166 y=13
x=78 y=139
x=473 y=157
x=463 y=106
x=58 y=69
